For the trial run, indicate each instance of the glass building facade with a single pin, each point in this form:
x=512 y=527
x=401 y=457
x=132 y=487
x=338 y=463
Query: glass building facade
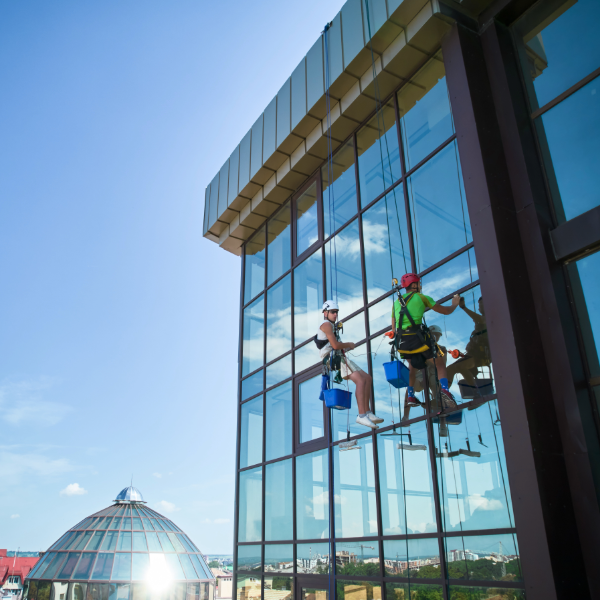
x=478 y=171
x=124 y=552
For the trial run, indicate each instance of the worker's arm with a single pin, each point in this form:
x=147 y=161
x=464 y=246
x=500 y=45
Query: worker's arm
x=472 y=314
x=447 y=310
x=327 y=329
x=393 y=324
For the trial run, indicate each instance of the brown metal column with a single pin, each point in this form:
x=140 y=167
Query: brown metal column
x=549 y=543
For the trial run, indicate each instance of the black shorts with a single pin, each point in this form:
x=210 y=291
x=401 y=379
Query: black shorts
x=411 y=343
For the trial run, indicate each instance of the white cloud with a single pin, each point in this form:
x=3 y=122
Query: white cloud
x=215 y=521
x=166 y=507
x=221 y=521
x=12 y=465
x=479 y=502
x=158 y=475
x=73 y=489
x=22 y=402
x=15 y=516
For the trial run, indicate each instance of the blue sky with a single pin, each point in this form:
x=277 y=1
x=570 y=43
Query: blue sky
x=119 y=326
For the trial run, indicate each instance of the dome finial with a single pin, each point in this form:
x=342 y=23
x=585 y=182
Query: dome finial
x=130 y=495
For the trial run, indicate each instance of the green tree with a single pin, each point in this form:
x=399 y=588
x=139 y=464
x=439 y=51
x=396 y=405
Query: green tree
x=213 y=564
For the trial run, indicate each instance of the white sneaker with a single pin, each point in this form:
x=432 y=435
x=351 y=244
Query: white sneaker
x=374 y=418
x=366 y=422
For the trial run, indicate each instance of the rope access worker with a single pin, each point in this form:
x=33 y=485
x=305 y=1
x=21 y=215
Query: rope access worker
x=328 y=341
x=414 y=343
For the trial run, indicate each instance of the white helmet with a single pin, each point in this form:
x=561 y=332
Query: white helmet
x=330 y=305
x=435 y=329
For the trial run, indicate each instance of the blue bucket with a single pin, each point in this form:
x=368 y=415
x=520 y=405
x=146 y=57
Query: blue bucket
x=336 y=398
x=396 y=372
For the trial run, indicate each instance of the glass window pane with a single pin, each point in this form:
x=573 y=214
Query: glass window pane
x=69 y=565
x=307 y=222
x=279 y=558
x=165 y=542
x=157 y=525
x=76 y=592
x=378 y=155
x=380 y=317
x=352 y=559
x=439 y=211
x=183 y=539
x=174 y=565
x=252 y=385
x=124 y=542
x=153 y=543
x=306 y=357
x=116 y=523
x=405 y=482
x=203 y=572
x=451 y=276
x=279 y=318
x=425 y=590
x=188 y=568
x=103 y=566
x=358 y=590
x=176 y=543
x=248 y=586
x=254 y=323
x=565 y=50
x=83 y=540
x=354 y=329
x=110 y=541
x=137 y=523
x=251 y=432
x=481 y=593
x=425 y=117
x=312 y=496
x=342 y=258
x=126 y=524
x=280 y=370
x=250 y=506
x=278 y=428
x=473 y=477
x=279 y=585
x=249 y=558
x=140 y=566
x=279 y=501
x=59 y=590
x=385 y=223
x=278 y=234
x=312 y=558
x=339 y=199
x=484 y=557
x=147 y=523
x=84 y=566
x=354 y=489
x=412 y=558
x=311 y=422
x=96 y=541
x=308 y=297
x=569 y=136
x=54 y=566
x=254 y=276
x=74 y=541
x=139 y=542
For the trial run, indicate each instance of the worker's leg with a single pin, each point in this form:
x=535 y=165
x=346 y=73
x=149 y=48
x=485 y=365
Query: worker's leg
x=363 y=383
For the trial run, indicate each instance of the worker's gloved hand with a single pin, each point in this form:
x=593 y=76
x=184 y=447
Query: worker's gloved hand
x=390 y=334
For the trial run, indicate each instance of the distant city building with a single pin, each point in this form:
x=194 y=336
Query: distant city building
x=124 y=552
x=13 y=571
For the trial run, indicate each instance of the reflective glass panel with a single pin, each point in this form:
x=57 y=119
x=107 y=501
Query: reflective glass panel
x=110 y=541
x=176 y=543
x=254 y=324
x=126 y=524
x=252 y=385
x=279 y=558
x=140 y=566
x=172 y=561
x=188 y=568
x=147 y=523
x=385 y=223
x=54 y=566
x=137 y=523
x=251 y=432
x=354 y=559
x=479 y=593
x=306 y=357
x=74 y=541
x=311 y=421
x=439 y=211
x=250 y=506
x=279 y=586
x=76 y=591
x=279 y=318
x=484 y=557
x=279 y=370
x=425 y=117
x=116 y=523
x=84 y=566
x=412 y=558
x=153 y=543
x=354 y=329
x=183 y=539
x=96 y=541
x=472 y=474
x=354 y=488
x=312 y=558
x=404 y=591
x=561 y=46
x=59 y=590
x=83 y=541
x=124 y=542
x=157 y=525
x=249 y=558
x=405 y=480
x=248 y=586
x=279 y=249
x=307 y=221
x=569 y=136
x=200 y=568
x=378 y=155
x=279 y=501
x=451 y=276
x=69 y=565
x=312 y=496
x=278 y=428
x=254 y=277
x=103 y=566
x=380 y=316
x=308 y=297
x=139 y=542
x=165 y=542
x=342 y=258
x=339 y=199
x=357 y=590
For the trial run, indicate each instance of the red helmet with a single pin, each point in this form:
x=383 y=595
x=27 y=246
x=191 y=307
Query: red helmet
x=409 y=278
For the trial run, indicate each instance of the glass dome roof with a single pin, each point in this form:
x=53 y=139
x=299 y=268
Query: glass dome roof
x=115 y=551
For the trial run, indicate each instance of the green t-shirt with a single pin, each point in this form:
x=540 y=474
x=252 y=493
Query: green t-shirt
x=417 y=306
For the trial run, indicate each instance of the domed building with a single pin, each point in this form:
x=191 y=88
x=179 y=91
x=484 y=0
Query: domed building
x=124 y=552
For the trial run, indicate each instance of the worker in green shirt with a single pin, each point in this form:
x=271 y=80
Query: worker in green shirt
x=416 y=345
